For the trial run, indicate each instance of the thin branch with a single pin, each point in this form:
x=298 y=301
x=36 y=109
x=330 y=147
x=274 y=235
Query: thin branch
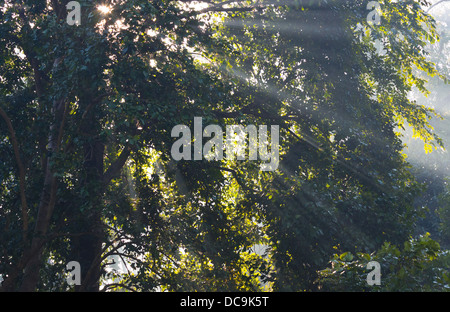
x=124 y=262
x=436 y=4
x=235 y=175
x=222 y=9
x=106 y=254
x=121 y=255
x=115 y=285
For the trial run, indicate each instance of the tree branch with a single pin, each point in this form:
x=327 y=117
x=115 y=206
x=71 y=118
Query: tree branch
x=114 y=169
x=94 y=102
x=222 y=9
x=15 y=145
x=436 y=4
x=40 y=78
x=116 y=285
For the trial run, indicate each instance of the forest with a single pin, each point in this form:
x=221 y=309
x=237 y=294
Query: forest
x=125 y=164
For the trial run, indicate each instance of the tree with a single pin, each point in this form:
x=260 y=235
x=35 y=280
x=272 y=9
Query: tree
x=432 y=169
x=88 y=175
x=343 y=179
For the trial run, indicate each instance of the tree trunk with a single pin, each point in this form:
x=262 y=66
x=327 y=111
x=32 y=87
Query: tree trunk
x=47 y=202
x=87 y=248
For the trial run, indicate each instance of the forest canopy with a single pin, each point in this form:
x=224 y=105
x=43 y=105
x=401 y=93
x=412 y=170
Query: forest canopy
x=88 y=112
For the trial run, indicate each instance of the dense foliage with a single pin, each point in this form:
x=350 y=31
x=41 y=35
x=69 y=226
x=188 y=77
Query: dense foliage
x=85 y=142
x=419 y=266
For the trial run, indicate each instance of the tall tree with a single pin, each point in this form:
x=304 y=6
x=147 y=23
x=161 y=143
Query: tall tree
x=88 y=112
